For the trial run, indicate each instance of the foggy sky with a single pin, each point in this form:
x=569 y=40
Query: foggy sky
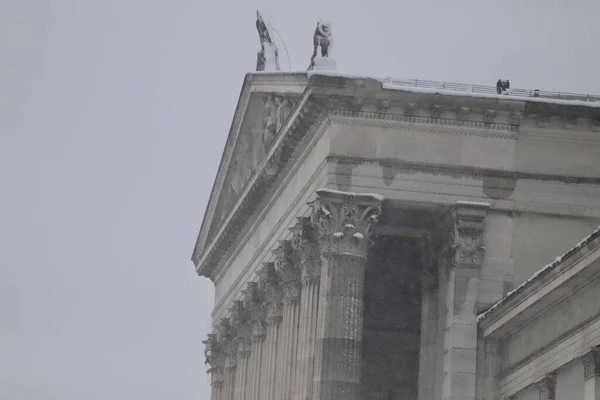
x=113 y=117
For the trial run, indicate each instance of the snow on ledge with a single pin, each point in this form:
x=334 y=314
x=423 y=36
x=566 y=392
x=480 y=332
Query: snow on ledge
x=546 y=268
x=334 y=192
x=488 y=95
x=473 y=203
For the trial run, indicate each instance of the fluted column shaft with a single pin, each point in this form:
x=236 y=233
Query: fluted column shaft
x=255 y=373
x=229 y=386
x=216 y=386
x=344 y=221
x=339 y=328
x=288 y=347
x=309 y=307
x=242 y=371
x=269 y=362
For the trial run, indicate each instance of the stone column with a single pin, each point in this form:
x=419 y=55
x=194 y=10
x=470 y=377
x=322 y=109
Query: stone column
x=255 y=372
x=547 y=387
x=253 y=302
x=343 y=221
x=465 y=253
x=288 y=270
x=591 y=373
x=216 y=383
x=241 y=375
x=307 y=250
x=270 y=284
x=230 y=372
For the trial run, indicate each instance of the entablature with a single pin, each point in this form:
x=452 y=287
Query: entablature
x=321 y=98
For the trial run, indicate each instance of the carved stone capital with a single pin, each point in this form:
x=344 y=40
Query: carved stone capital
x=306 y=249
x=547 y=387
x=224 y=331
x=244 y=346
x=213 y=353
x=273 y=313
x=343 y=221
x=591 y=363
x=292 y=291
x=468 y=225
x=216 y=379
x=254 y=304
x=269 y=283
x=285 y=264
x=230 y=362
x=258 y=330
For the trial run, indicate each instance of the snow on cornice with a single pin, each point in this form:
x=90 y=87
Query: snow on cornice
x=413 y=89
x=388 y=83
x=539 y=273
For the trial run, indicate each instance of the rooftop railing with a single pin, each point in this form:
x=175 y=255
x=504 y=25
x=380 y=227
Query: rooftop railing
x=462 y=87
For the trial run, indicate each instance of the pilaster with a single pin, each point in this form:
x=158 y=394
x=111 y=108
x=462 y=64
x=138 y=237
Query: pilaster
x=465 y=254
x=547 y=387
x=591 y=373
x=306 y=250
x=491 y=369
x=343 y=221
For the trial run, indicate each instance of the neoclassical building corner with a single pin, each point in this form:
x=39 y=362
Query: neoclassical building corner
x=369 y=241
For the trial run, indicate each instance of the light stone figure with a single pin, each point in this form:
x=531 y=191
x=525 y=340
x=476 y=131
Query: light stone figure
x=322 y=47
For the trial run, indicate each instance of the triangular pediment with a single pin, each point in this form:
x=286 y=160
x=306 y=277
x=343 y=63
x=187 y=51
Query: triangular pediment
x=265 y=103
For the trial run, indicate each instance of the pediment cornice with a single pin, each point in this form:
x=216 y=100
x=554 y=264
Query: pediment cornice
x=347 y=101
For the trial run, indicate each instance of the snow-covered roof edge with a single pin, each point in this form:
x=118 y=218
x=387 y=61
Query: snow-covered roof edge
x=392 y=86
x=387 y=83
x=542 y=272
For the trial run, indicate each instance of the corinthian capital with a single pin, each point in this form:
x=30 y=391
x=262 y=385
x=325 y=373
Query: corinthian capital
x=269 y=283
x=468 y=226
x=306 y=249
x=288 y=269
x=343 y=221
x=285 y=264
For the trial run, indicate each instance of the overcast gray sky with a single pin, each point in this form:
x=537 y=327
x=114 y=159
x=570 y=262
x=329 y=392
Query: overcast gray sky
x=113 y=117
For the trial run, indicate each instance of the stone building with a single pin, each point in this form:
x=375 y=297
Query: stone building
x=372 y=240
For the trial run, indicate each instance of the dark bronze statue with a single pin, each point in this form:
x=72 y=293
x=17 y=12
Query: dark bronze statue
x=268 y=54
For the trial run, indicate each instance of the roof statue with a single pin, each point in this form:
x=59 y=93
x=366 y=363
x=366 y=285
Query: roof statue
x=268 y=56
x=323 y=44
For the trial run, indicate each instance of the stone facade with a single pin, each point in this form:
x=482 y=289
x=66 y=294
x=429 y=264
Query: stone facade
x=365 y=243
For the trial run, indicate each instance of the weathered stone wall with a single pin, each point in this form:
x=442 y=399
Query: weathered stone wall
x=540 y=238
x=573 y=310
